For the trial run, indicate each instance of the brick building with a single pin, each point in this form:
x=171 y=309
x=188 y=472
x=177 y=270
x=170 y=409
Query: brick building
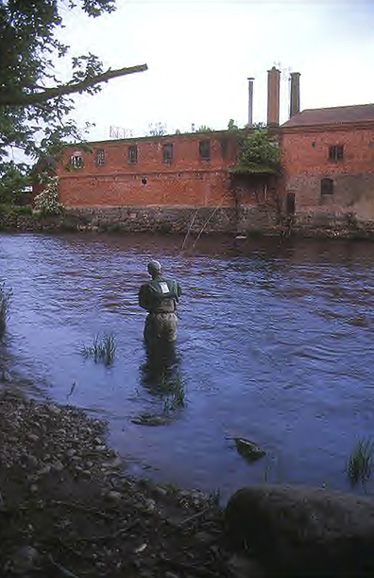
x=328 y=162
x=183 y=182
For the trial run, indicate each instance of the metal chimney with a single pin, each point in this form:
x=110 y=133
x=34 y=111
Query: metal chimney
x=295 y=93
x=273 y=96
x=250 y=101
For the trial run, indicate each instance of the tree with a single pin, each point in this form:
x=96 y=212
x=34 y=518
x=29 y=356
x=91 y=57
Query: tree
x=35 y=105
x=259 y=153
x=232 y=125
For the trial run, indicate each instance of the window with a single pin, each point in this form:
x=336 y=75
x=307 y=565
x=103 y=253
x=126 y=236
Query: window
x=225 y=143
x=327 y=187
x=167 y=153
x=100 y=157
x=76 y=160
x=290 y=204
x=336 y=152
x=132 y=154
x=204 y=150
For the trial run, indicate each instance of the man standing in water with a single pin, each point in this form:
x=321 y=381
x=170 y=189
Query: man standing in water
x=159 y=297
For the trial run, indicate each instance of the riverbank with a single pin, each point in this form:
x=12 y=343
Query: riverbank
x=259 y=221
x=69 y=509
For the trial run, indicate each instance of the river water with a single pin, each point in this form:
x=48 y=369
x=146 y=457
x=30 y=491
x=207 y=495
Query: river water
x=275 y=344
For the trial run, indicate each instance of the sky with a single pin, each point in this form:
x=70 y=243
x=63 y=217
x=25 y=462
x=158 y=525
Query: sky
x=200 y=54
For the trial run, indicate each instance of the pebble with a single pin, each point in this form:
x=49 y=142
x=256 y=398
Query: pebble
x=54 y=409
x=24 y=560
x=57 y=466
x=32 y=437
x=114 y=496
x=149 y=506
x=32 y=461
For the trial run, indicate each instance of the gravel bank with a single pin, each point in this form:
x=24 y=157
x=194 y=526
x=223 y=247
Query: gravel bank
x=67 y=507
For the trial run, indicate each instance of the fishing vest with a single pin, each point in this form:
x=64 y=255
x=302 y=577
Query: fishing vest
x=161 y=295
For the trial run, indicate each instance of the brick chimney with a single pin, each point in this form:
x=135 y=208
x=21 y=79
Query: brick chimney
x=295 y=93
x=250 y=102
x=273 y=96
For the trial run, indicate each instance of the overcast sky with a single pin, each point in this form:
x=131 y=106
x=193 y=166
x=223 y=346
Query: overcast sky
x=200 y=53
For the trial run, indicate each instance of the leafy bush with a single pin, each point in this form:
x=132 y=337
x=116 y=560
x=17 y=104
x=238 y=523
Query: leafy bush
x=259 y=153
x=14 y=210
x=47 y=202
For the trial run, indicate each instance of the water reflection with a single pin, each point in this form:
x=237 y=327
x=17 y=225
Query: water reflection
x=162 y=365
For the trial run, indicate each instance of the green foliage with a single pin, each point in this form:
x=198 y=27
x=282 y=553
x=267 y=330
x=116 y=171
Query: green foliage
x=259 y=153
x=15 y=210
x=47 y=202
x=5 y=298
x=204 y=128
x=360 y=462
x=14 y=181
x=231 y=125
x=103 y=349
x=35 y=104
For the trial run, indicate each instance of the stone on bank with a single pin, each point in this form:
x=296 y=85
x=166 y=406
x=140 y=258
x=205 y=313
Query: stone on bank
x=301 y=531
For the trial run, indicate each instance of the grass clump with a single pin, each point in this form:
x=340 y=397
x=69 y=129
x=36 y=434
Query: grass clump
x=5 y=298
x=174 y=393
x=360 y=462
x=102 y=349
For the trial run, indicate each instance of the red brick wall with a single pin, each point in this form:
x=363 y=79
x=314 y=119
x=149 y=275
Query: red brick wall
x=185 y=181
x=305 y=159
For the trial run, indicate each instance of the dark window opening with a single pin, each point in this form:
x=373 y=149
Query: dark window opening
x=132 y=154
x=314 y=144
x=327 y=186
x=144 y=181
x=336 y=152
x=100 y=157
x=290 y=204
x=167 y=153
x=204 y=150
x=76 y=161
x=225 y=148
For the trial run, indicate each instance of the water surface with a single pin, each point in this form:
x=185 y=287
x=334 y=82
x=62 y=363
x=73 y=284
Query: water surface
x=275 y=344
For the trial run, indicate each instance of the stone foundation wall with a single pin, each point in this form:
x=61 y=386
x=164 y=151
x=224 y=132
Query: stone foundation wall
x=260 y=219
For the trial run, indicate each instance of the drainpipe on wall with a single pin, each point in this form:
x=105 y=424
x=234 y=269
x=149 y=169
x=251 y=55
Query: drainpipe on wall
x=250 y=102
x=273 y=96
x=295 y=93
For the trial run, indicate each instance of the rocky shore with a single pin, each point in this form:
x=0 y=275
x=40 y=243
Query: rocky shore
x=67 y=508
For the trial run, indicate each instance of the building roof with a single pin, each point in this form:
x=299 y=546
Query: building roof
x=335 y=115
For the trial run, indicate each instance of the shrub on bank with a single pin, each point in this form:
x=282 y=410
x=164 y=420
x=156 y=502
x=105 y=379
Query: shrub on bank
x=48 y=202
x=15 y=210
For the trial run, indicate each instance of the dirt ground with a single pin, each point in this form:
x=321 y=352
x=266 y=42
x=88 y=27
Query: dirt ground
x=67 y=507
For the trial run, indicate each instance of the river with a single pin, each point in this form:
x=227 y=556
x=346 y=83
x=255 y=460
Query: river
x=275 y=344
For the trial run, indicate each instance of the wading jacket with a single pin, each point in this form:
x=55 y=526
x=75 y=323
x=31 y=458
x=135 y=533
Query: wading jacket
x=159 y=295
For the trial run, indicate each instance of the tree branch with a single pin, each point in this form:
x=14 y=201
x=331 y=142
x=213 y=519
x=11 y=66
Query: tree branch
x=23 y=99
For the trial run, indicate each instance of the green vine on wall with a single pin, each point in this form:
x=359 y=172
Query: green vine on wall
x=258 y=154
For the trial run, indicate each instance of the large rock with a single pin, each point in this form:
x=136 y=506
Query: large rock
x=301 y=531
